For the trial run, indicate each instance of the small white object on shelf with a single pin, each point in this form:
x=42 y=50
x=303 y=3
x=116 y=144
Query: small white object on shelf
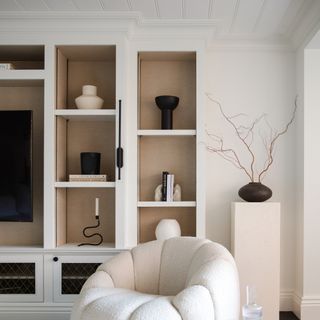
x=6 y=66
x=168 y=228
x=89 y=98
x=176 y=193
x=97 y=207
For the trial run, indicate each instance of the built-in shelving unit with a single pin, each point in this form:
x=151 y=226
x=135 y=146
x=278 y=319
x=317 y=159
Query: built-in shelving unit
x=175 y=150
x=85 y=130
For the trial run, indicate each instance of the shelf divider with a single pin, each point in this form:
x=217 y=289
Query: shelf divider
x=161 y=133
x=164 y=204
x=84 y=184
x=87 y=114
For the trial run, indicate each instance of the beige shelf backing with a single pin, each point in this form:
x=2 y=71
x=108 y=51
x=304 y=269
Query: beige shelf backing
x=176 y=155
x=29 y=233
x=76 y=67
x=162 y=77
x=76 y=210
x=74 y=137
x=150 y=217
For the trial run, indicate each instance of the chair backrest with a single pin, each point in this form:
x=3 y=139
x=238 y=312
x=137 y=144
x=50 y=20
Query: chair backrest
x=166 y=267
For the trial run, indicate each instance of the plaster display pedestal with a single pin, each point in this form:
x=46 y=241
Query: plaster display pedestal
x=255 y=245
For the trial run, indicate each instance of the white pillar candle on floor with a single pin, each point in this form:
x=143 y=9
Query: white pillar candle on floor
x=97 y=207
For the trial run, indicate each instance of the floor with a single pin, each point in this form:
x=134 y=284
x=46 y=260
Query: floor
x=287 y=316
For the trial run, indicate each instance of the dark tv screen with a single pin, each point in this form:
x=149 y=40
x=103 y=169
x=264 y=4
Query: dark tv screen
x=16 y=165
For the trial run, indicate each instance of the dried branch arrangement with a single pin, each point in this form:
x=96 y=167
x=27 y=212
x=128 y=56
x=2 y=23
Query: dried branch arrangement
x=246 y=136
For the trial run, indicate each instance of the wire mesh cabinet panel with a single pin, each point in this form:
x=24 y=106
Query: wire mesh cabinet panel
x=21 y=278
x=71 y=272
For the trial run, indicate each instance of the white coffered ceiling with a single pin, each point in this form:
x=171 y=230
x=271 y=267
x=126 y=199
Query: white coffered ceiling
x=255 y=18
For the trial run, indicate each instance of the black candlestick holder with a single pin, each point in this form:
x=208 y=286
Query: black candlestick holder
x=84 y=232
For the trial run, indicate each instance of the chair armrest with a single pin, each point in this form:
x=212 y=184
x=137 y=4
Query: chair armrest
x=194 y=302
x=100 y=279
x=220 y=277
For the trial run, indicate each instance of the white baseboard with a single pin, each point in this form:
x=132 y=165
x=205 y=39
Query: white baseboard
x=310 y=307
x=286 y=300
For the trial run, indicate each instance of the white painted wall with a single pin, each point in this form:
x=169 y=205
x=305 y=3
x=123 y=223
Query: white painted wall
x=253 y=81
x=310 y=308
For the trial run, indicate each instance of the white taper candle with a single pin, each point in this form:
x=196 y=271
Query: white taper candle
x=97 y=207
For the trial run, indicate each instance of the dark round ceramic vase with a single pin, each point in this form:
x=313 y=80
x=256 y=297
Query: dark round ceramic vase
x=255 y=192
x=166 y=104
x=90 y=162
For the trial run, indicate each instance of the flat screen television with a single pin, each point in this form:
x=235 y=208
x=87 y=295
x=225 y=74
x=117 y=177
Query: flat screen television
x=16 y=166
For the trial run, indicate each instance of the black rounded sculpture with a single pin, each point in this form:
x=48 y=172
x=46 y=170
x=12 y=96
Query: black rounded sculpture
x=255 y=192
x=166 y=104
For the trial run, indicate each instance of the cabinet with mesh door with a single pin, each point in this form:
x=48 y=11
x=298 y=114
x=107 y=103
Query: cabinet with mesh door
x=70 y=274
x=21 y=278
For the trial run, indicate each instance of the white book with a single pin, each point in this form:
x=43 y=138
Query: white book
x=170 y=183
x=88 y=177
x=6 y=66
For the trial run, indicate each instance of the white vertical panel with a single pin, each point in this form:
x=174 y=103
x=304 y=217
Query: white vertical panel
x=9 y=5
x=115 y=5
x=33 y=5
x=88 y=5
x=61 y=5
x=256 y=249
x=197 y=9
x=170 y=9
x=246 y=16
x=146 y=7
x=272 y=14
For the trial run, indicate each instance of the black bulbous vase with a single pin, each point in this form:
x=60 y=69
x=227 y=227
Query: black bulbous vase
x=255 y=192
x=166 y=104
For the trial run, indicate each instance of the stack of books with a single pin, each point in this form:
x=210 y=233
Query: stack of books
x=6 y=66
x=167 y=186
x=87 y=177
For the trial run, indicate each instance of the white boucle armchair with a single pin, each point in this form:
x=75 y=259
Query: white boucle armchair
x=179 y=278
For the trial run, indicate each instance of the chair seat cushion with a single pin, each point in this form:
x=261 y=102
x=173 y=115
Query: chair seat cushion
x=123 y=304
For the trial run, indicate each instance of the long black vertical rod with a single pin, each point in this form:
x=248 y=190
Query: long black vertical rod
x=119 y=149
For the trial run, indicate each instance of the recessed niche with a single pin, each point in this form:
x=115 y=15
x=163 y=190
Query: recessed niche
x=177 y=155
x=23 y=57
x=85 y=65
x=27 y=95
x=76 y=210
x=150 y=217
x=74 y=137
x=167 y=74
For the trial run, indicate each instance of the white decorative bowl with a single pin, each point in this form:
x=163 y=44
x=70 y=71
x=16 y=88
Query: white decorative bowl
x=168 y=228
x=89 y=98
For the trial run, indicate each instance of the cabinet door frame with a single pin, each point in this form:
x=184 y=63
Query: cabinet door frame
x=57 y=273
x=26 y=258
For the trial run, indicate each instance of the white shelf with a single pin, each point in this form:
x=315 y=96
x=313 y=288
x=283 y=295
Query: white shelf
x=87 y=115
x=165 y=204
x=67 y=184
x=160 y=133
x=75 y=247
x=22 y=75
